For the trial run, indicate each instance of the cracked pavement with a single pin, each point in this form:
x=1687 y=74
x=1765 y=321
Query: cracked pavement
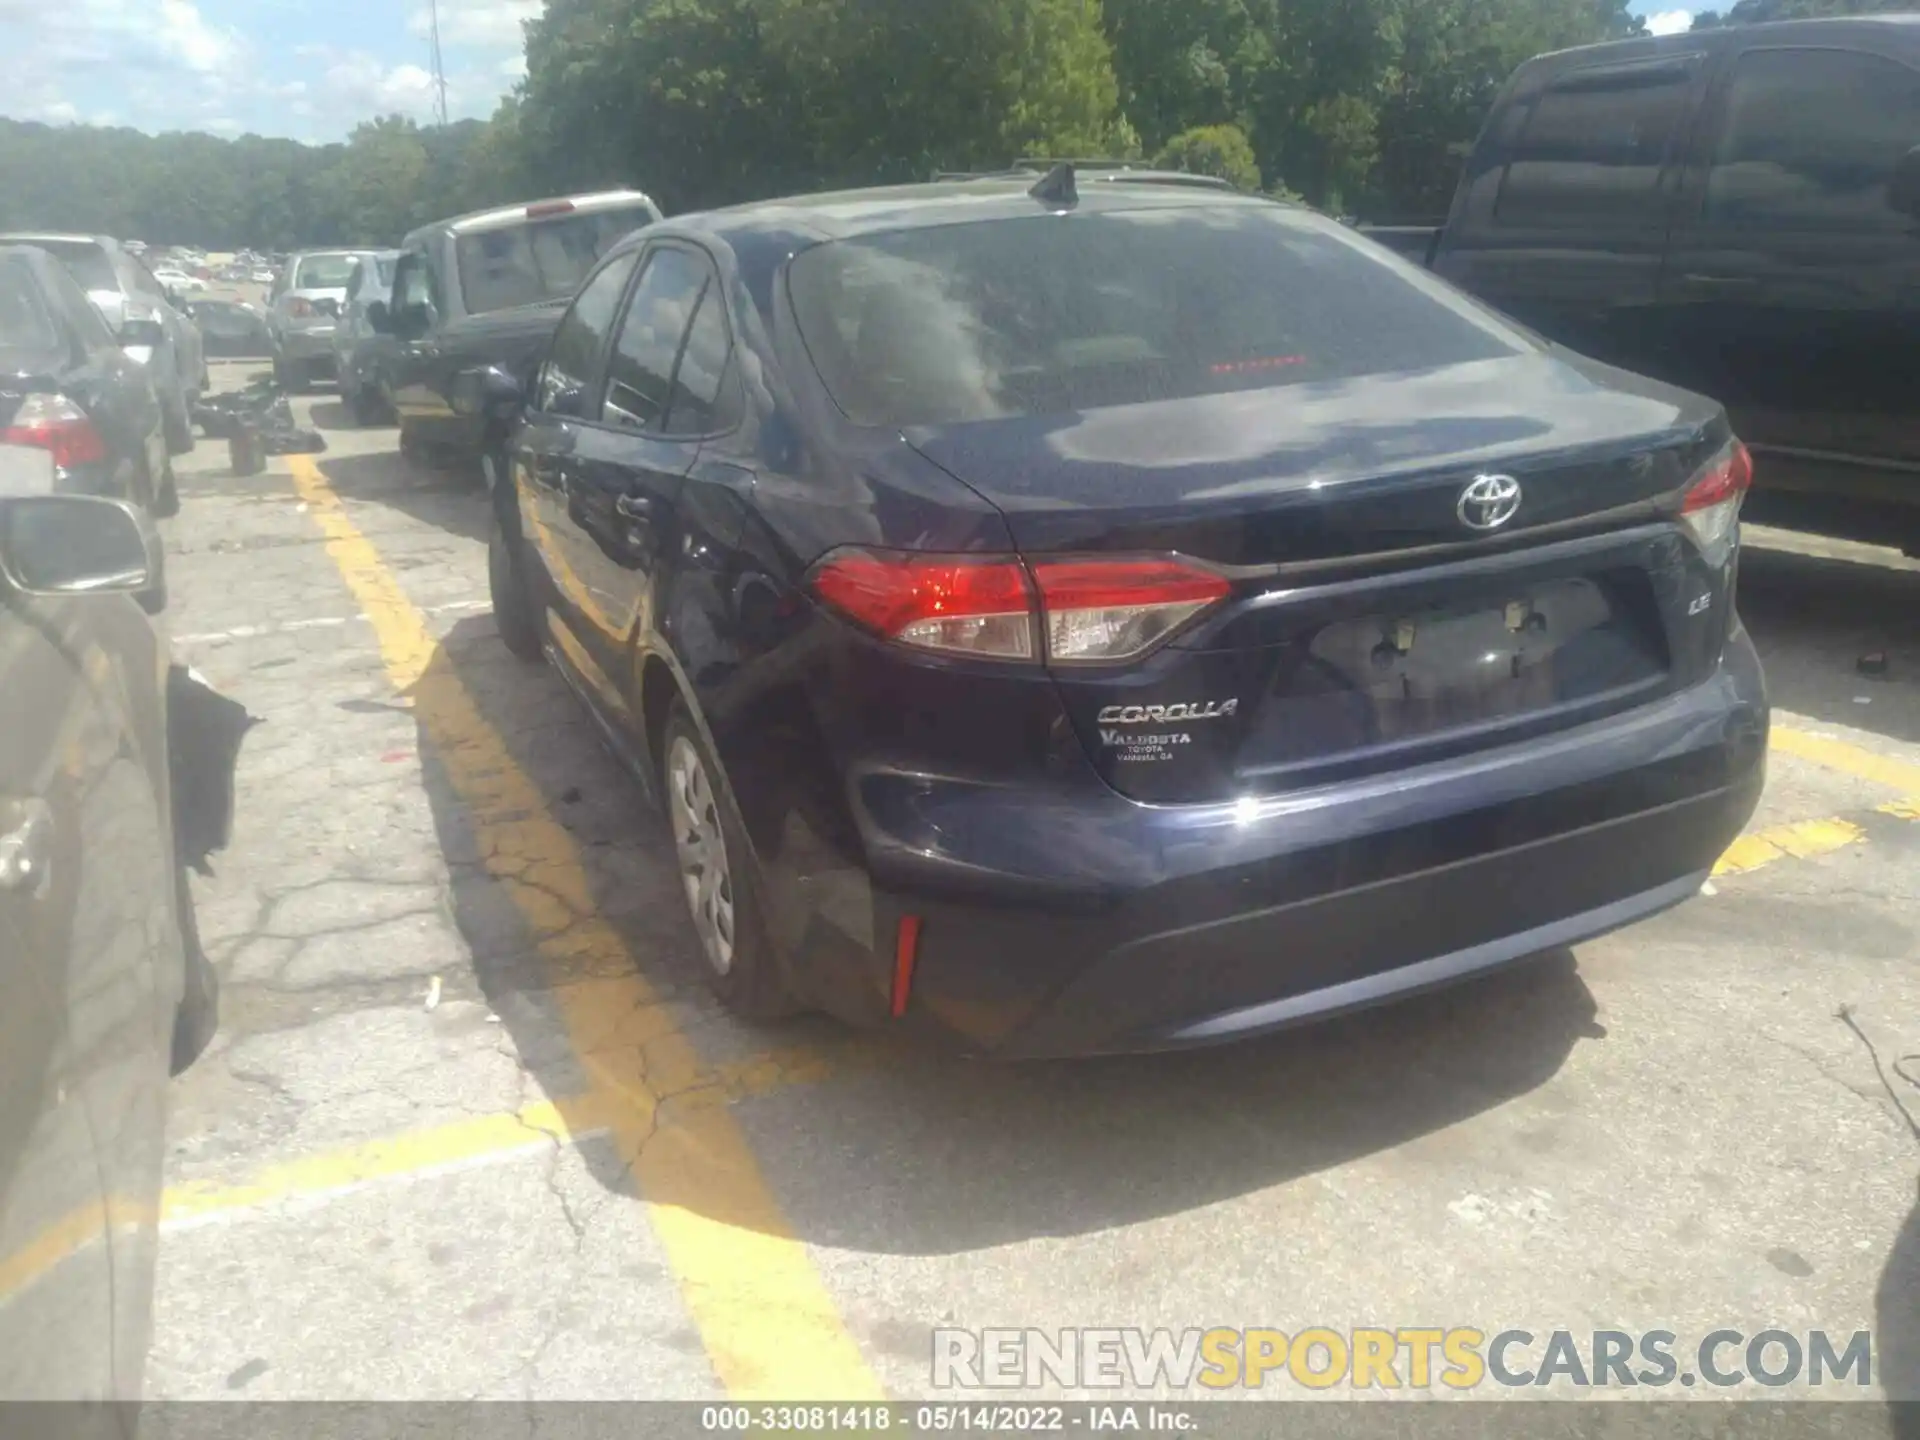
x=1669 y=1129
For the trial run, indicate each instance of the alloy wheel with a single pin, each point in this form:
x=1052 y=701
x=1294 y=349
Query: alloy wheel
x=702 y=847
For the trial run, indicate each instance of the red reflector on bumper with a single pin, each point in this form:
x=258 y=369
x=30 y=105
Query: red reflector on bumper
x=906 y=950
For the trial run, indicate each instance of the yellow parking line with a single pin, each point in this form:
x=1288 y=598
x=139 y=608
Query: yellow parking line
x=1803 y=840
x=770 y=1328
x=1901 y=775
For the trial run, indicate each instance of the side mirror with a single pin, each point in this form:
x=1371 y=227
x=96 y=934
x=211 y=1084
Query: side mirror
x=490 y=391
x=569 y=401
x=1903 y=190
x=412 y=321
x=77 y=545
x=148 y=333
x=379 y=318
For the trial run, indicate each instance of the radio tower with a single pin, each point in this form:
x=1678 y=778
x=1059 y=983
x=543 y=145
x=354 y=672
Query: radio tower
x=439 y=67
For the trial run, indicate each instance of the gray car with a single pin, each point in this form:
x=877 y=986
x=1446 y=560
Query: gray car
x=151 y=320
x=303 y=313
x=108 y=990
x=358 y=348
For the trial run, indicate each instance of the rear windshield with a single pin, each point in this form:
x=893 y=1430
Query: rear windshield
x=323 y=272
x=24 y=321
x=1045 y=314
x=85 y=261
x=542 y=260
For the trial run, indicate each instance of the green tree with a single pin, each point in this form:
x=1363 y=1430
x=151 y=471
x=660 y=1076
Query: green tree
x=1219 y=150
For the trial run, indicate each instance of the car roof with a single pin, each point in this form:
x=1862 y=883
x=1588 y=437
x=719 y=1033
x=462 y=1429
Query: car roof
x=1904 y=26
x=841 y=214
x=36 y=237
x=502 y=217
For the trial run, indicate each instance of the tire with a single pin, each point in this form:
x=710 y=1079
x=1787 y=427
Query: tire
x=198 y=1016
x=513 y=611
x=289 y=377
x=716 y=872
x=177 y=423
x=166 y=496
x=365 y=406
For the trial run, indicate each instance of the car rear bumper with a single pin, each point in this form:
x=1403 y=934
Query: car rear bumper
x=1077 y=922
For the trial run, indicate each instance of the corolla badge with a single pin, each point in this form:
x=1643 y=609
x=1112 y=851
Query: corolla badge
x=1162 y=714
x=1488 y=502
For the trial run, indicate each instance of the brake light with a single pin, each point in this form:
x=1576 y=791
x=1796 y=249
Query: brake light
x=57 y=425
x=1711 y=506
x=1091 y=610
x=937 y=602
x=299 y=307
x=549 y=207
x=1115 y=609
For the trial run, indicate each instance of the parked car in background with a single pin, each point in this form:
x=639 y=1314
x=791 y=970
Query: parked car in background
x=303 y=310
x=108 y=990
x=232 y=330
x=359 y=350
x=487 y=289
x=68 y=387
x=262 y=275
x=137 y=306
x=1063 y=620
x=1736 y=210
x=182 y=282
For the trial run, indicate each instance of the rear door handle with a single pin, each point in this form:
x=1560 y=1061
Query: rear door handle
x=26 y=851
x=634 y=507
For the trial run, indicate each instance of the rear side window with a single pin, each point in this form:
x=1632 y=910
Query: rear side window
x=323 y=272
x=25 y=322
x=1045 y=314
x=1809 y=140
x=85 y=261
x=1592 y=150
x=577 y=344
x=387 y=267
x=540 y=260
x=640 y=375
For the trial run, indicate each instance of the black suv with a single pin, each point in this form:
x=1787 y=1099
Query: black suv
x=1736 y=211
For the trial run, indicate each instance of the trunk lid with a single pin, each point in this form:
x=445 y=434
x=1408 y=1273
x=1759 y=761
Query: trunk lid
x=1369 y=625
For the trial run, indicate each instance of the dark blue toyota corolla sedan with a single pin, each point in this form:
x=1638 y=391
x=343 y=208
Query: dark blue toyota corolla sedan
x=1062 y=620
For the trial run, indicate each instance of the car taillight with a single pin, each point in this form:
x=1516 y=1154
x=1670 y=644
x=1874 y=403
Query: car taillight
x=937 y=602
x=1090 y=610
x=55 y=424
x=1103 y=610
x=1711 y=506
x=299 y=308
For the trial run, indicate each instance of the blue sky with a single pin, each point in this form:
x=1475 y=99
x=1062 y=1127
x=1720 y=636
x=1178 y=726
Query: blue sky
x=311 y=69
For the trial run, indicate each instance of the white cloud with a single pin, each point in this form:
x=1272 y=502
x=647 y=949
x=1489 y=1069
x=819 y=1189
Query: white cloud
x=513 y=69
x=225 y=125
x=60 y=112
x=1669 y=22
x=186 y=36
x=361 y=85
x=494 y=24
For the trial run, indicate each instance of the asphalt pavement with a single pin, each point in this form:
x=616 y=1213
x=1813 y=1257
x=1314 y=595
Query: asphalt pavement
x=472 y=1127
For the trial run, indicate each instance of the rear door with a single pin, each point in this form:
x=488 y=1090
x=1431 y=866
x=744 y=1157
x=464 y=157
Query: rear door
x=548 y=456
x=1792 y=287
x=1569 y=234
x=662 y=399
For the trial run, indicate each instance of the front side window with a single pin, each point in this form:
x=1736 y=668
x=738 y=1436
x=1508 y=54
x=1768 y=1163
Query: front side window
x=1048 y=314
x=582 y=335
x=1593 y=148
x=1809 y=140
x=415 y=284
x=640 y=373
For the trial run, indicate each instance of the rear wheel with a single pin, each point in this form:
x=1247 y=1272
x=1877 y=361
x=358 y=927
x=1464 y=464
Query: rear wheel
x=166 y=495
x=513 y=611
x=177 y=424
x=710 y=847
x=289 y=377
x=365 y=405
x=198 y=1015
